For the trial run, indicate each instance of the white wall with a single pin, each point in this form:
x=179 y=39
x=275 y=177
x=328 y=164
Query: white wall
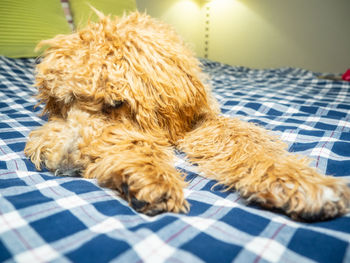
x=312 y=34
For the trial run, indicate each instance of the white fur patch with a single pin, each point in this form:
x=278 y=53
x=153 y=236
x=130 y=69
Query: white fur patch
x=329 y=195
x=289 y=185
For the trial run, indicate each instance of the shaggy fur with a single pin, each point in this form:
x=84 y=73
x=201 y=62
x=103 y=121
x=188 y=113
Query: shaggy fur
x=123 y=92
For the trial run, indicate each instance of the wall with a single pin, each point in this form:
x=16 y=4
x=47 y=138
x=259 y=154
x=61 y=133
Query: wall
x=311 y=34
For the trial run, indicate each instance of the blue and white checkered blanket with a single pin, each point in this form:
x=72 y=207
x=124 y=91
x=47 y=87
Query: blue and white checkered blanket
x=45 y=218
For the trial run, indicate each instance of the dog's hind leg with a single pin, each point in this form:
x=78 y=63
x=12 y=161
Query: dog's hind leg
x=141 y=167
x=245 y=157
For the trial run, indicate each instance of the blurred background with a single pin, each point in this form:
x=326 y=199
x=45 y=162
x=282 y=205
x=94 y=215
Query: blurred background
x=310 y=34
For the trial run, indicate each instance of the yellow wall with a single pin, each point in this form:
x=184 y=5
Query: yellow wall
x=311 y=34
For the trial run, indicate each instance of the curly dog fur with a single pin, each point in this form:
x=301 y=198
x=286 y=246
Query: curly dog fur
x=123 y=92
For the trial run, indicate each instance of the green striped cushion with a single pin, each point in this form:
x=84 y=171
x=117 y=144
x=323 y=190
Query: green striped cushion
x=82 y=12
x=23 y=23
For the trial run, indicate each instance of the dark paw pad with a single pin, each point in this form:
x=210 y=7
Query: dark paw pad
x=72 y=172
x=154 y=212
x=138 y=204
x=125 y=189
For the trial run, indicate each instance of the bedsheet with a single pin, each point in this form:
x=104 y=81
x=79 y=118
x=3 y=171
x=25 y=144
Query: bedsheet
x=44 y=218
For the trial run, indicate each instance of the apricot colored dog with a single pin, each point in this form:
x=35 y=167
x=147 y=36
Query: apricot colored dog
x=122 y=93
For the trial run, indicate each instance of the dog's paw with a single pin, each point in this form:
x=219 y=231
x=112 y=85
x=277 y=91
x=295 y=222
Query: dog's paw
x=310 y=199
x=323 y=203
x=155 y=198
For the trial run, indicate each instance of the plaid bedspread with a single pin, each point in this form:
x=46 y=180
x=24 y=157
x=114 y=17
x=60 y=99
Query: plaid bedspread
x=59 y=219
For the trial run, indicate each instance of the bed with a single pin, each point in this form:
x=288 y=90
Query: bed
x=44 y=218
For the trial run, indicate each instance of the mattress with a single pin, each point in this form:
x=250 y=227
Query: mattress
x=44 y=218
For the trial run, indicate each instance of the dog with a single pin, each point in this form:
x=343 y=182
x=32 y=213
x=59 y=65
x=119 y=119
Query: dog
x=124 y=92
